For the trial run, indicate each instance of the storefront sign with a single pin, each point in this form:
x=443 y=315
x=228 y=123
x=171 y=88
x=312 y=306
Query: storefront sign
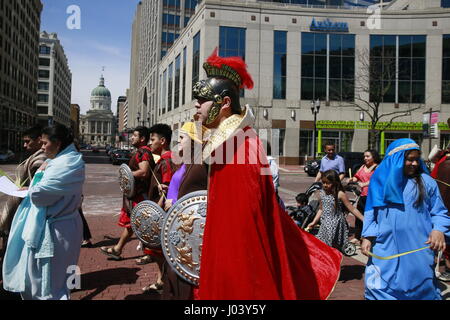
x=328 y=26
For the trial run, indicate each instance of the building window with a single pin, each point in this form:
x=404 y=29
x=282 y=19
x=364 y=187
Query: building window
x=342 y=67
x=177 y=81
x=279 y=64
x=446 y=70
x=43 y=86
x=44 y=50
x=341 y=139
x=44 y=62
x=445 y=140
x=45 y=74
x=232 y=44
x=163 y=94
x=42 y=110
x=196 y=59
x=445 y=3
x=183 y=95
x=190 y=4
x=306 y=140
x=390 y=137
x=411 y=69
x=171 y=20
x=169 y=91
x=397 y=68
x=335 y=82
x=42 y=97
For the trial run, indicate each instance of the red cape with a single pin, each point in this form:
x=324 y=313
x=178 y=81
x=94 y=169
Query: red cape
x=251 y=248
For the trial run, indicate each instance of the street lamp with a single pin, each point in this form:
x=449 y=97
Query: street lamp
x=315 y=107
x=361 y=116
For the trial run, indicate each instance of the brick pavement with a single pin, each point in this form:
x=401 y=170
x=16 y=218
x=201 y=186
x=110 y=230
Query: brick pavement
x=104 y=279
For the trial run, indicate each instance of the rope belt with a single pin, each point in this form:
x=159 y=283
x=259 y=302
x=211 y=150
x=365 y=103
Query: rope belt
x=444 y=183
x=397 y=255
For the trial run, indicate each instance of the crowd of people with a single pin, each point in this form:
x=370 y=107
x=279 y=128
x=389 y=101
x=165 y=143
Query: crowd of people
x=402 y=216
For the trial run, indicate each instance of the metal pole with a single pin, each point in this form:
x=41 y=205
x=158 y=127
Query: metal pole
x=314 y=135
x=429 y=131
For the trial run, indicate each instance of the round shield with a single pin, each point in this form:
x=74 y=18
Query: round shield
x=146 y=221
x=126 y=181
x=182 y=235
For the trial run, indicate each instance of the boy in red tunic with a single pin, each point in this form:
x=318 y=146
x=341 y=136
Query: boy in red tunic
x=141 y=164
x=160 y=138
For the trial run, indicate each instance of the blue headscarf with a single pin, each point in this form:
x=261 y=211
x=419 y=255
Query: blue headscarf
x=388 y=181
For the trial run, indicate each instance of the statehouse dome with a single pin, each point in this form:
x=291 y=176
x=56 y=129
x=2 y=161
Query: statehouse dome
x=101 y=90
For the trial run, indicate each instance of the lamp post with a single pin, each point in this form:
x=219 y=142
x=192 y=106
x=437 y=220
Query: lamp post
x=315 y=106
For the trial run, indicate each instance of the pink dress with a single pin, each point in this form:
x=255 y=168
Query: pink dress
x=363 y=176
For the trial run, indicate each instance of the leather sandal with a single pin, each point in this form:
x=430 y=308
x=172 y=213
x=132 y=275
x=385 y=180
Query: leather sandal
x=144 y=260
x=110 y=252
x=153 y=287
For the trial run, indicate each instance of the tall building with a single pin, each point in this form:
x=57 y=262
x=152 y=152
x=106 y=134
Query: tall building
x=75 y=120
x=55 y=82
x=334 y=52
x=120 y=115
x=97 y=127
x=156 y=26
x=19 y=42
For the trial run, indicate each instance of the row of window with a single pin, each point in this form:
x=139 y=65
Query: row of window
x=396 y=66
x=342 y=139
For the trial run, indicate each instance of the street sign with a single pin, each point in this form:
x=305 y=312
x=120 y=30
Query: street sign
x=434 y=131
x=434 y=118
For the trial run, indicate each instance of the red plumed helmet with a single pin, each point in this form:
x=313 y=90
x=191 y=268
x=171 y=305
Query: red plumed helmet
x=233 y=68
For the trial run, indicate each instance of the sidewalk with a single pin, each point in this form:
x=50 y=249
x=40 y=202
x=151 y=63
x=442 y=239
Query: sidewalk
x=104 y=279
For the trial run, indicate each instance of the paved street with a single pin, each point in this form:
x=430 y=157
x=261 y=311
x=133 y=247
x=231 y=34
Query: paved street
x=104 y=279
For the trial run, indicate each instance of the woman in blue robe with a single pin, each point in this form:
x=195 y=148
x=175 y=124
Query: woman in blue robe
x=404 y=212
x=46 y=233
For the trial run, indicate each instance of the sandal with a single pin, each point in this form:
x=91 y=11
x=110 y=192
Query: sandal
x=110 y=252
x=153 y=287
x=144 y=260
x=86 y=244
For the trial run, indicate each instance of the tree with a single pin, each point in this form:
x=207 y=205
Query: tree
x=374 y=85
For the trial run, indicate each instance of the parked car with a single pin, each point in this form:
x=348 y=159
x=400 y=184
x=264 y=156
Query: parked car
x=352 y=160
x=6 y=156
x=110 y=152
x=120 y=156
x=312 y=167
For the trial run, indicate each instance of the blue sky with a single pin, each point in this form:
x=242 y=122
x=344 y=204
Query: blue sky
x=104 y=39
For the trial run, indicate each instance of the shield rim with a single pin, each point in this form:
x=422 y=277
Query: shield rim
x=165 y=239
x=126 y=168
x=133 y=215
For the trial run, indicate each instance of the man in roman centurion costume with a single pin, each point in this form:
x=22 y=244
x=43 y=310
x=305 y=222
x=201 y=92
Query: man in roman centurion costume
x=251 y=248
x=141 y=164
